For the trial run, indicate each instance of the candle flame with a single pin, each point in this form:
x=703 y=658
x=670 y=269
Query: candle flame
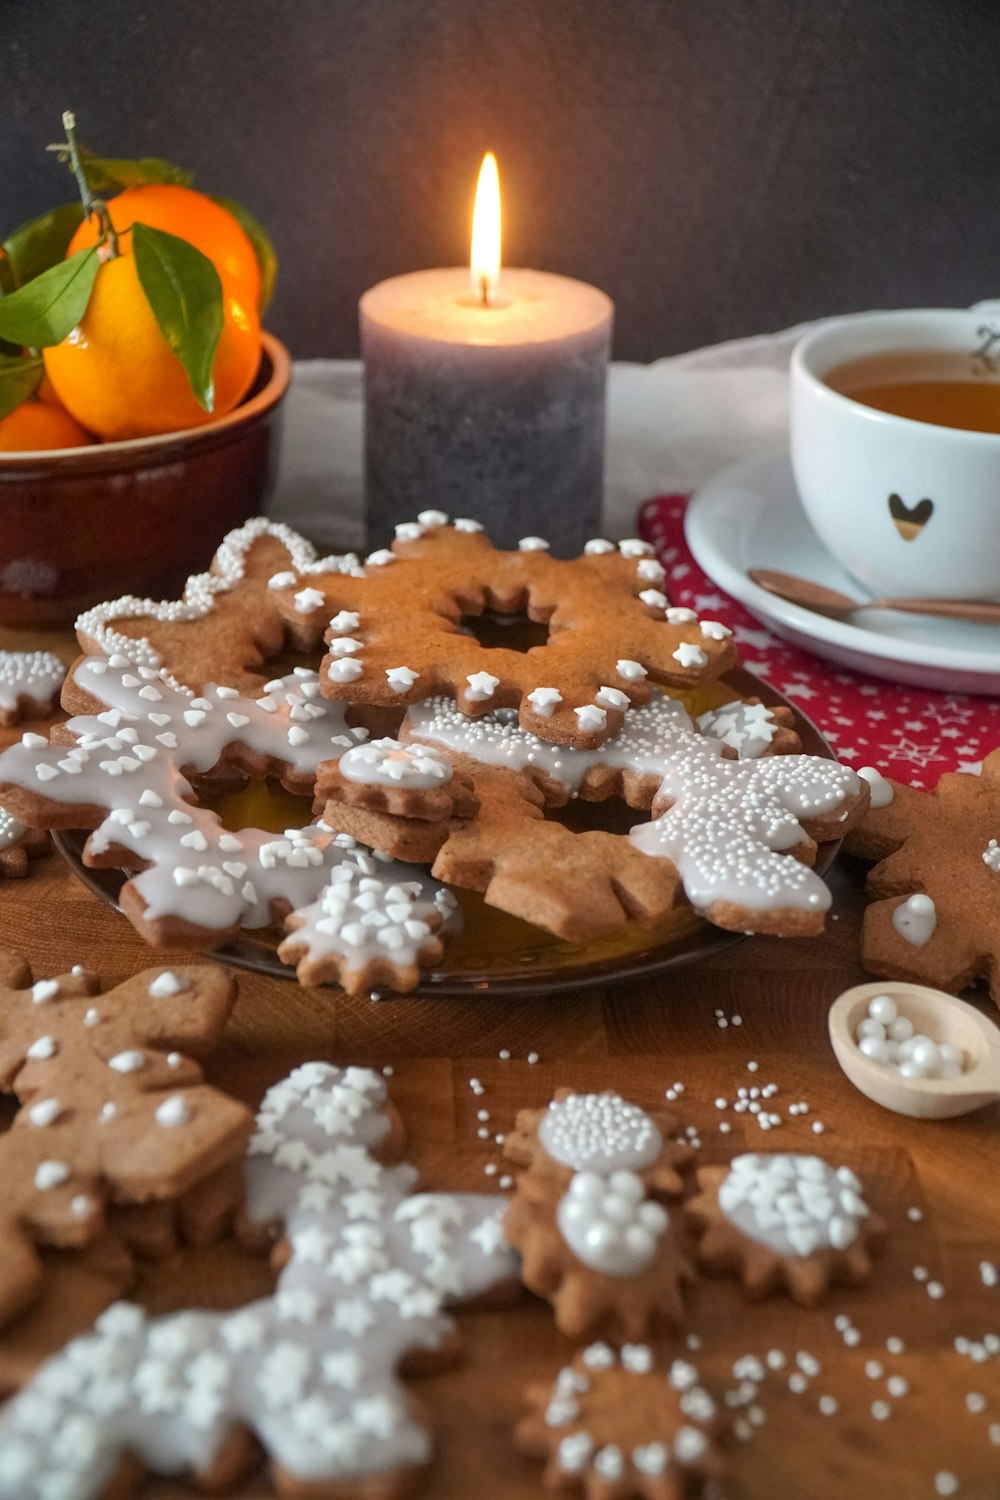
x=485 y=259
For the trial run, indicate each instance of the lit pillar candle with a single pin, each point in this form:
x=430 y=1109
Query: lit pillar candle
x=485 y=393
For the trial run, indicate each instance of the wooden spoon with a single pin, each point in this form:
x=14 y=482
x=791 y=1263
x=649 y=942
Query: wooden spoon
x=824 y=601
x=943 y=1019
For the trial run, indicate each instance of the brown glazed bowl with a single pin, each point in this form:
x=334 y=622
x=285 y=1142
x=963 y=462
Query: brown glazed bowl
x=79 y=525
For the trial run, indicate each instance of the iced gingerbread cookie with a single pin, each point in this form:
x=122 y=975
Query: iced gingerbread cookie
x=750 y=728
x=377 y=923
x=614 y=1425
x=310 y=1373
x=403 y=799
x=122 y=768
x=737 y=836
x=30 y=682
x=586 y=1215
x=397 y=635
x=785 y=1223
x=18 y=846
x=231 y=619
x=936 y=914
x=112 y=1110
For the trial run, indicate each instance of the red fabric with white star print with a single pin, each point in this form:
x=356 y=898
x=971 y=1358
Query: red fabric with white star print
x=910 y=734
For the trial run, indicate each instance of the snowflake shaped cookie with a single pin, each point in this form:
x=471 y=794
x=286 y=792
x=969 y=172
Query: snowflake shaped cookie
x=29 y=684
x=367 y=1268
x=933 y=851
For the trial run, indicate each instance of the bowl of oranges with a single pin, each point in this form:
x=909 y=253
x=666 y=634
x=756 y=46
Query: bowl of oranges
x=140 y=400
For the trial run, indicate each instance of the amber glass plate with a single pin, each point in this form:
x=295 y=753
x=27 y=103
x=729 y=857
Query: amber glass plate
x=494 y=951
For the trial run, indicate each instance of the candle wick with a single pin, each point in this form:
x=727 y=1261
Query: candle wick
x=484 y=291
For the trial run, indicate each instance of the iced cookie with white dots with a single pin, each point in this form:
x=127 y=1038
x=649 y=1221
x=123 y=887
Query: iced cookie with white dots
x=596 y=1239
x=113 y=1110
x=623 y=1423
x=30 y=683
x=785 y=1222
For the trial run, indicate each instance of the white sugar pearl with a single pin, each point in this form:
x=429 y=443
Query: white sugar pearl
x=872 y=1028
x=949 y=1054
x=901 y=1029
x=882 y=1008
x=910 y=1069
x=925 y=1054
x=875 y=1048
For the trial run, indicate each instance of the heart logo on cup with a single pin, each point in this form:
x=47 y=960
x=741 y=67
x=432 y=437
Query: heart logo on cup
x=910 y=520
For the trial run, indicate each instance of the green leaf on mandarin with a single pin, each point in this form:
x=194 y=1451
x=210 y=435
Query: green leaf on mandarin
x=264 y=250
x=40 y=243
x=19 y=379
x=45 y=310
x=184 y=292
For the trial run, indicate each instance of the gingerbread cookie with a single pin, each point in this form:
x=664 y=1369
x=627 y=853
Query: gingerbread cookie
x=936 y=914
x=229 y=621
x=30 y=682
x=112 y=1110
x=738 y=836
x=785 y=1223
x=398 y=635
x=586 y=1216
x=750 y=728
x=18 y=845
x=613 y=1426
x=367 y=1266
x=376 y=923
x=403 y=799
x=122 y=769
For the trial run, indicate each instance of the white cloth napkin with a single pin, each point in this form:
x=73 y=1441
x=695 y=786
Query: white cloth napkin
x=671 y=425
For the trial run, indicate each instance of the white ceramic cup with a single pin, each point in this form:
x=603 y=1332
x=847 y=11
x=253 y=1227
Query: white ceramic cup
x=909 y=508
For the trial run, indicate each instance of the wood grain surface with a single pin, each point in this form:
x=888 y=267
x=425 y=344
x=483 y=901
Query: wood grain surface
x=641 y=1039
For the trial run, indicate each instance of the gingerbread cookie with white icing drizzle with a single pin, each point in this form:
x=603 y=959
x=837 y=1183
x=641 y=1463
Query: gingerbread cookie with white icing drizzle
x=615 y=1426
x=785 y=1222
x=230 y=620
x=113 y=1110
x=935 y=918
x=595 y=1239
x=401 y=635
x=311 y=1374
x=737 y=836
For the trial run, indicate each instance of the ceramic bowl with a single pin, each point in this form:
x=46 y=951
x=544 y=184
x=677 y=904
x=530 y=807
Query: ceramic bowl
x=79 y=525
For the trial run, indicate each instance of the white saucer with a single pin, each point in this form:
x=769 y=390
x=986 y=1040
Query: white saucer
x=749 y=516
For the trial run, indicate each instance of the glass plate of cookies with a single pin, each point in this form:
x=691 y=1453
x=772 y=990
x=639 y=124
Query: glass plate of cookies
x=491 y=950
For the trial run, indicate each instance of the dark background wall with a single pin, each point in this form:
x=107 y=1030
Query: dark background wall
x=720 y=167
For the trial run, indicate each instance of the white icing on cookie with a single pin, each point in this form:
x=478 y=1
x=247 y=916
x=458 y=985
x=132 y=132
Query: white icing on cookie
x=915 y=920
x=34 y=677
x=747 y=728
x=609 y=1224
x=97 y=625
x=599 y=1133
x=311 y=1369
x=388 y=763
x=882 y=792
x=795 y=1205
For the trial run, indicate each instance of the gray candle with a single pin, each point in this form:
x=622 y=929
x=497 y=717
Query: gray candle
x=490 y=407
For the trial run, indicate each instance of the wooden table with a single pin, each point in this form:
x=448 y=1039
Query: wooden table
x=641 y=1039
